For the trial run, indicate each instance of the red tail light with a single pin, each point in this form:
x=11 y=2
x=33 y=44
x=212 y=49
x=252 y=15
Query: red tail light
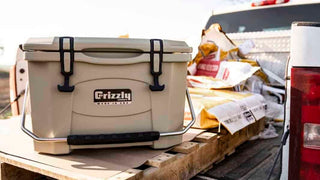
x=304 y=158
x=267 y=2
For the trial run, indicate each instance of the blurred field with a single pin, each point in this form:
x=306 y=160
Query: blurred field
x=4 y=93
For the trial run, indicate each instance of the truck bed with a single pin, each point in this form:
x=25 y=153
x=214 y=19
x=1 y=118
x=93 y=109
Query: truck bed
x=252 y=160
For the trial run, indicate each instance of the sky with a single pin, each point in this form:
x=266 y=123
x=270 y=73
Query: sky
x=166 y=19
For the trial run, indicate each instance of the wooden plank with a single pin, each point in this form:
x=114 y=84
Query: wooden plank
x=161 y=160
x=262 y=124
x=190 y=164
x=223 y=131
x=223 y=141
x=130 y=174
x=9 y=172
x=201 y=177
x=186 y=147
x=255 y=128
x=220 y=160
x=186 y=165
x=191 y=158
x=206 y=169
x=231 y=152
x=43 y=169
x=206 y=137
x=210 y=153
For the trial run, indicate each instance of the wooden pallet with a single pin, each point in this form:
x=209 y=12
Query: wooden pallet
x=181 y=162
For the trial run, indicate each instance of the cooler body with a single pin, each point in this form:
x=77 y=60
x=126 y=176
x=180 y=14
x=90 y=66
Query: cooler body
x=111 y=89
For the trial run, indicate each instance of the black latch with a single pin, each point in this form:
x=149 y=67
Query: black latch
x=66 y=87
x=156 y=86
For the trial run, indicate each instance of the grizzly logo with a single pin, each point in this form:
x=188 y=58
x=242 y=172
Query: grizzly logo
x=112 y=96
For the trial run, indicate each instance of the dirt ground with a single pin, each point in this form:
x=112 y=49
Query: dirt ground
x=4 y=92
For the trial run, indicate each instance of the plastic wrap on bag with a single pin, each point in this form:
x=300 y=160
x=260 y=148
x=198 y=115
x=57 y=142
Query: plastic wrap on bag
x=222 y=74
x=234 y=110
x=216 y=44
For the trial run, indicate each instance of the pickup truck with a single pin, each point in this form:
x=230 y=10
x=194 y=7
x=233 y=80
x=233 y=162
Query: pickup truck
x=291 y=55
x=269 y=28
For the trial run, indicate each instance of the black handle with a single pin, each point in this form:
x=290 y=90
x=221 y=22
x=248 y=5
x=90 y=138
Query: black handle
x=113 y=138
x=156 y=85
x=66 y=86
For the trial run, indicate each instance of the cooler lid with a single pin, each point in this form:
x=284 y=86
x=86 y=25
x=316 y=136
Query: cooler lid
x=92 y=44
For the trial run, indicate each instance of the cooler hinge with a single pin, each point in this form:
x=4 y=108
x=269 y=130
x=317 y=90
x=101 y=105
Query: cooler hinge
x=65 y=70
x=156 y=65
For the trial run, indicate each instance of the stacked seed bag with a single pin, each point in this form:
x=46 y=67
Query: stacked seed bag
x=215 y=74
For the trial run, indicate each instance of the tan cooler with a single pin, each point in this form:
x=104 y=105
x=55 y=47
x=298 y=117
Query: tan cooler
x=105 y=92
